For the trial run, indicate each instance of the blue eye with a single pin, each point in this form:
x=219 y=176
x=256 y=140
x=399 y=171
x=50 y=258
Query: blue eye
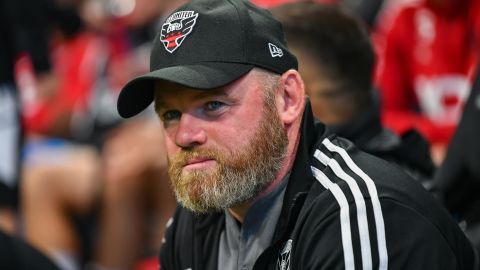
x=214 y=105
x=171 y=115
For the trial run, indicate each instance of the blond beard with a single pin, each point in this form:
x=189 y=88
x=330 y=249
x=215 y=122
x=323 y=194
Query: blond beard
x=238 y=177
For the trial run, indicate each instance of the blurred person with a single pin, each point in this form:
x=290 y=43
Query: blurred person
x=457 y=181
x=137 y=201
x=79 y=182
x=136 y=177
x=60 y=177
x=23 y=33
x=427 y=66
x=260 y=183
x=336 y=62
x=367 y=10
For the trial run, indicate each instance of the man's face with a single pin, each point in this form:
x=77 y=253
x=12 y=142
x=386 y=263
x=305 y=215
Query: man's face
x=224 y=146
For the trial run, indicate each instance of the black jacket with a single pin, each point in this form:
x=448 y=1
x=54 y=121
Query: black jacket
x=403 y=226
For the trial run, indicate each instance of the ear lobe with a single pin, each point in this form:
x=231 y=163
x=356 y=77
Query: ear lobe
x=290 y=97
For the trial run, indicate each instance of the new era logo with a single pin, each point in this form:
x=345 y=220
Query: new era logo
x=274 y=50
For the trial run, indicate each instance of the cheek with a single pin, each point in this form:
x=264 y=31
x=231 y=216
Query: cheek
x=228 y=139
x=231 y=132
x=170 y=145
x=238 y=130
x=222 y=139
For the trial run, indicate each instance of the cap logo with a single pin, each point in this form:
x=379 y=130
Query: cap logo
x=274 y=50
x=176 y=28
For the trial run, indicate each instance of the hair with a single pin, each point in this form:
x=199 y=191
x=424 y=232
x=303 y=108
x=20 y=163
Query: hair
x=271 y=82
x=336 y=40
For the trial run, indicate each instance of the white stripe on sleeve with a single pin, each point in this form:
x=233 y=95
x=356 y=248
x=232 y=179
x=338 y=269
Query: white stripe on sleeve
x=360 y=204
x=344 y=216
x=377 y=209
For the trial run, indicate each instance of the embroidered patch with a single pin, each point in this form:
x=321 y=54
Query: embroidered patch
x=283 y=261
x=274 y=50
x=176 y=28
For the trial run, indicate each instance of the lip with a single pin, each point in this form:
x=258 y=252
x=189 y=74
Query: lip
x=198 y=163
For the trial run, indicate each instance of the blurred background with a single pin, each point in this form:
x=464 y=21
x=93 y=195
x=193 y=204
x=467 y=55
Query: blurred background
x=90 y=190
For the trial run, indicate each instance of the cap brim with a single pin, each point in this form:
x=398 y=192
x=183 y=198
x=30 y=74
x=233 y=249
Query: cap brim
x=137 y=94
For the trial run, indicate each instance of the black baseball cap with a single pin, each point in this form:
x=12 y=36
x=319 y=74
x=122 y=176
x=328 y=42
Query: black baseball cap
x=207 y=44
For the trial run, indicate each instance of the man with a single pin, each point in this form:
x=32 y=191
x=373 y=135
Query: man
x=23 y=31
x=24 y=51
x=260 y=185
x=336 y=62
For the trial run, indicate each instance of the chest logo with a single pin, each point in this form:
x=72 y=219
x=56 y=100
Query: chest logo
x=176 y=28
x=283 y=261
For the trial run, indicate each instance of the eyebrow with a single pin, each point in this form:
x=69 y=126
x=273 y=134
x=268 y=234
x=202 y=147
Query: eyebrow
x=202 y=94
x=158 y=104
x=212 y=92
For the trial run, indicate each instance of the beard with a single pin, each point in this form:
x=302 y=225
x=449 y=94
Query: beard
x=238 y=176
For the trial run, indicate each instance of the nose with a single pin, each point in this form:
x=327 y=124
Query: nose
x=190 y=132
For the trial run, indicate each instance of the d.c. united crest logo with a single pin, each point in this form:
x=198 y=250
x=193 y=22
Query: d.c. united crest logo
x=283 y=261
x=176 y=28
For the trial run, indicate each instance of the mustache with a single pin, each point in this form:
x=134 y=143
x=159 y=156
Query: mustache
x=185 y=156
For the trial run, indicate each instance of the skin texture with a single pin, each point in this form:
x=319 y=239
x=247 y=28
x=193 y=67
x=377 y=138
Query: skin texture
x=222 y=118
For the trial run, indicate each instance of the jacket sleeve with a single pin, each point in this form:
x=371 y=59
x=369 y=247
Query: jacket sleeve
x=412 y=242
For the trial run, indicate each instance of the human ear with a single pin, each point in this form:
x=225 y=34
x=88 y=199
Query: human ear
x=290 y=97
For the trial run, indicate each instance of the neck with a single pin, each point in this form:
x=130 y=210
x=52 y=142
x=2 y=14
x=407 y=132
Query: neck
x=239 y=211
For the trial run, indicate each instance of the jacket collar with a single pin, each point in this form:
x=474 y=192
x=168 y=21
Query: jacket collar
x=301 y=177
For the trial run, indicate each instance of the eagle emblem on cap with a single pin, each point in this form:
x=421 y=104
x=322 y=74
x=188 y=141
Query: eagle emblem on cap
x=176 y=28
